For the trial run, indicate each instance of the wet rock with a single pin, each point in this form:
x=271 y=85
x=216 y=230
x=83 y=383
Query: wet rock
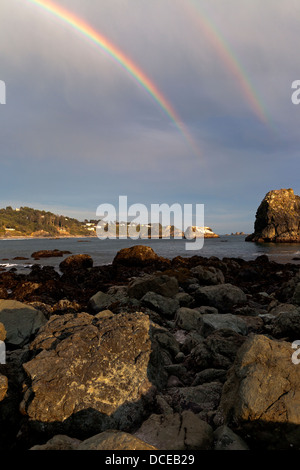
x=217 y=351
x=178 y=431
x=49 y=254
x=21 y=322
x=261 y=396
x=208 y=275
x=164 y=285
x=211 y=322
x=184 y=299
x=224 y=297
x=286 y=324
x=202 y=398
x=187 y=319
x=75 y=263
x=91 y=374
x=101 y=301
x=226 y=439
x=165 y=306
x=210 y=375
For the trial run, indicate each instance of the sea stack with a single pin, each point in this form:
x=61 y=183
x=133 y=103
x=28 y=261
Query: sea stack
x=277 y=218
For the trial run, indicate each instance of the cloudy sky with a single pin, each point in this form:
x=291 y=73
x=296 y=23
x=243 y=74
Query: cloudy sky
x=78 y=130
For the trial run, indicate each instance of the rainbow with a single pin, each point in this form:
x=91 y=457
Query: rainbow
x=124 y=61
x=230 y=61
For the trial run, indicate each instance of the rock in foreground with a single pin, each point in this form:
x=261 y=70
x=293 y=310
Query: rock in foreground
x=91 y=373
x=262 y=394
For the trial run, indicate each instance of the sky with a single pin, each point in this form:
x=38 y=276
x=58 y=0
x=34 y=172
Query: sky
x=79 y=130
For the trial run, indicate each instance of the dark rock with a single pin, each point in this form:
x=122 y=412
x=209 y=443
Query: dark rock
x=224 y=297
x=76 y=262
x=278 y=218
x=48 y=254
x=164 y=285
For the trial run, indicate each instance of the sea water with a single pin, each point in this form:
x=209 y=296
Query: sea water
x=104 y=251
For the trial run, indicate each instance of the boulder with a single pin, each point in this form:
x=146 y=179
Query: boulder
x=101 y=301
x=75 y=263
x=164 y=285
x=58 y=442
x=208 y=275
x=210 y=322
x=286 y=324
x=116 y=441
x=21 y=322
x=138 y=255
x=277 y=218
x=91 y=373
x=226 y=439
x=178 y=431
x=187 y=319
x=203 y=398
x=217 y=351
x=262 y=394
x=165 y=306
x=224 y=297
x=49 y=254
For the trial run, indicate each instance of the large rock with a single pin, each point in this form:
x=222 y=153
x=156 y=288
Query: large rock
x=223 y=297
x=160 y=304
x=160 y=284
x=277 y=218
x=116 y=441
x=217 y=351
x=91 y=373
x=211 y=322
x=21 y=322
x=286 y=324
x=178 y=431
x=208 y=275
x=75 y=263
x=58 y=442
x=188 y=319
x=138 y=255
x=261 y=397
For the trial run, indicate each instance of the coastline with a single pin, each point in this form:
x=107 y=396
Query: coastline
x=196 y=313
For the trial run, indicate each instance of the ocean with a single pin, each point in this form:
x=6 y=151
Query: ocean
x=104 y=251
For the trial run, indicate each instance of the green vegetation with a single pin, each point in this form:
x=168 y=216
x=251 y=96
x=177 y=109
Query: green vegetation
x=32 y=222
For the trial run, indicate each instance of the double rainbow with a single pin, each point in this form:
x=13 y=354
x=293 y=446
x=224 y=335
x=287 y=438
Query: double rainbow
x=124 y=61
x=226 y=54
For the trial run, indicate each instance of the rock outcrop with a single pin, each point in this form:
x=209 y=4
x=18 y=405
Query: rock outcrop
x=91 y=372
x=261 y=396
x=277 y=218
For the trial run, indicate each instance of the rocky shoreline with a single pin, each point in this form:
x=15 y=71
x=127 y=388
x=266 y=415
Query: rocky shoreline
x=150 y=353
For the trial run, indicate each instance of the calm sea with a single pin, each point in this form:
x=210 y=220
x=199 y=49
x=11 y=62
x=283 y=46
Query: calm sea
x=104 y=251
